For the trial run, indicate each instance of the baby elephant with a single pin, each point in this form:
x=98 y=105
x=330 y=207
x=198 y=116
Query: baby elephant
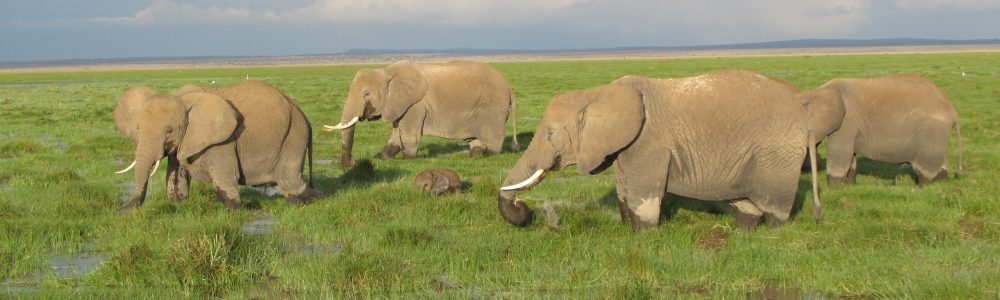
x=438 y=181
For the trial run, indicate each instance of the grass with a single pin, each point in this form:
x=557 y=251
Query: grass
x=374 y=236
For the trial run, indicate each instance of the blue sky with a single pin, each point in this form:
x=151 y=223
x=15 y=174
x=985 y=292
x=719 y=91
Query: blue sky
x=73 y=29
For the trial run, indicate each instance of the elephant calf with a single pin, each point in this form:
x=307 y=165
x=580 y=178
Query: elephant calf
x=896 y=119
x=249 y=133
x=733 y=136
x=461 y=100
x=438 y=182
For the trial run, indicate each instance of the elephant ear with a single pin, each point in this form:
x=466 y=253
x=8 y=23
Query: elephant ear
x=608 y=124
x=210 y=120
x=826 y=110
x=129 y=109
x=406 y=86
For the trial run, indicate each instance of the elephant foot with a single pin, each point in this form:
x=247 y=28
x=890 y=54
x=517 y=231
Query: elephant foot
x=839 y=180
x=304 y=198
x=627 y=216
x=389 y=151
x=775 y=221
x=922 y=180
x=177 y=198
x=128 y=208
x=409 y=156
x=232 y=203
x=477 y=151
x=747 y=222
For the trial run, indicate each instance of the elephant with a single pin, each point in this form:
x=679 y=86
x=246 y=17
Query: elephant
x=249 y=133
x=732 y=136
x=455 y=100
x=438 y=182
x=900 y=118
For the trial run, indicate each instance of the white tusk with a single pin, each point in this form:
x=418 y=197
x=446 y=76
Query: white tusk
x=341 y=125
x=126 y=169
x=527 y=182
x=155 y=166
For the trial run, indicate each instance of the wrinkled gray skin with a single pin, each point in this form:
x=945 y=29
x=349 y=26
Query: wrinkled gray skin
x=894 y=119
x=732 y=136
x=249 y=133
x=438 y=182
x=457 y=100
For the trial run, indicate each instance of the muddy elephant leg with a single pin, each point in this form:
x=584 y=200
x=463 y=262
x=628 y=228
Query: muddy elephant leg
x=476 y=148
x=747 y=214
x=178 y=180
x=840 y=158
x=774 y=195
x=392 y=146
x=223 y=170
x=641 y=184
x=931 y=164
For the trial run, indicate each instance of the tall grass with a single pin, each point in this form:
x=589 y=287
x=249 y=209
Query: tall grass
x=376 y=236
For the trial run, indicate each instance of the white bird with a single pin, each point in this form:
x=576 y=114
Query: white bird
x=963 y=73
x=213 y=81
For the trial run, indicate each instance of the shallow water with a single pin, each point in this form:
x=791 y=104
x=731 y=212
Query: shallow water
x=263 y=226
x=265 y=190
x=75 y=266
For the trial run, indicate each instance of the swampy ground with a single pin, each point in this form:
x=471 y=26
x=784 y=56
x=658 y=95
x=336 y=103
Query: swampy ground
x=374 y=236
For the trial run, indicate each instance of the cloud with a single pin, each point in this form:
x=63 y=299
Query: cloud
x=935 y=6
x=171 y=12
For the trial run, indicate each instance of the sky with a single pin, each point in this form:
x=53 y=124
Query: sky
x=34 y=30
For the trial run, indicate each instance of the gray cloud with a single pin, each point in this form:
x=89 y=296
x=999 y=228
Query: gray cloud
x=314 y=26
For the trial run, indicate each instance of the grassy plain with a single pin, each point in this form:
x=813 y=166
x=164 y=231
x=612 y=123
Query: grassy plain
x=374 y=236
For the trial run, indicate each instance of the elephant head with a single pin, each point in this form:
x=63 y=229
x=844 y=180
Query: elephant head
x=826 y=110
x=181 y=126
x=587 y=128
x=378 y=93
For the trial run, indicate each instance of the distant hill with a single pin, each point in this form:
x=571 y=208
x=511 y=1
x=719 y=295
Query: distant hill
x=381 y=55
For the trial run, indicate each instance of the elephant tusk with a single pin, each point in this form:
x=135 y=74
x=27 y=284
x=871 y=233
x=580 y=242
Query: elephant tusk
x=341 y=125
x=155 y=166
x=526 y=183
x=127 y=168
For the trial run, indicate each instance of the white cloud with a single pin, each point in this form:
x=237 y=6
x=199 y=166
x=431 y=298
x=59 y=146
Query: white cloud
x=171 y=12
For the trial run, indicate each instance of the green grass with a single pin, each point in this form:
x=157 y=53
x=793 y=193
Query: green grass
x=374 y=236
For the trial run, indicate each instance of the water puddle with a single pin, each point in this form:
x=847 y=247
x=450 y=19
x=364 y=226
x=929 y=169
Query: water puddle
x=324 y=161
x=77 y=265
x=315 y=249
x=265 y=190
x=258 y=227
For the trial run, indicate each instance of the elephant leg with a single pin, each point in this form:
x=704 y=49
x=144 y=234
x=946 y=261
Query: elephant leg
x=476 y=148
x=133 y=203
x=840 y=158
x=747 y=214
x=411 y=129
x=641 y=183
x=392 y=147
x=223 y=170
x=178 y=180
x=931 y=163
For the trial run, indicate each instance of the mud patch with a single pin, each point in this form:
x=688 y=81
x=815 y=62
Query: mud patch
x=714 y=240
x=773 y=292
x=970 y=228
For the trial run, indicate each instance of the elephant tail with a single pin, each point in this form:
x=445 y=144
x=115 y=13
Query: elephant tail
x=309 y=154
x=817 y=205
x=514 y=145
x=958 y=143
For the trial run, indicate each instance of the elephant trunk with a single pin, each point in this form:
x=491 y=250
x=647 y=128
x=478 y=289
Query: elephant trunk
x=525 y=173
x=347 y=146
x=148 y=152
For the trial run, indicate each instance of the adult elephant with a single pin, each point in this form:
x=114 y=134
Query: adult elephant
x=249 y=133
x=456 y=100
x=732 y=135
x=897 y=119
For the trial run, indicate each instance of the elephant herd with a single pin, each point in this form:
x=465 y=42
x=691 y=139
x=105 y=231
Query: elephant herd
x=733 y=136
